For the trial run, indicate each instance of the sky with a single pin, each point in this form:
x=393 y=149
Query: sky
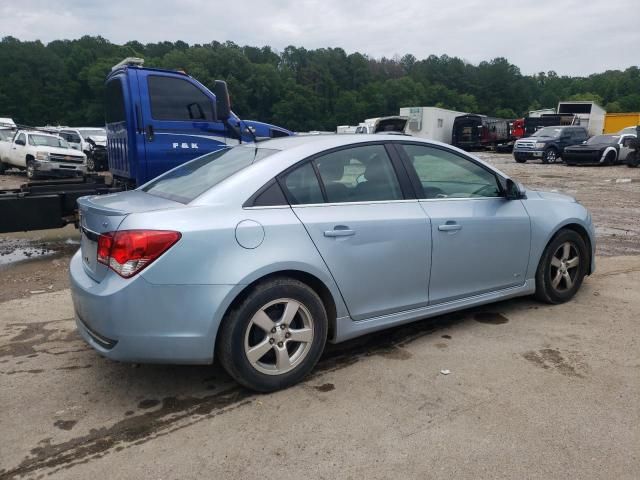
x=571 y=37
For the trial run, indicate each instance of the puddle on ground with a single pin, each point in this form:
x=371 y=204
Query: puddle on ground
x=490 y=318
x=7 y=257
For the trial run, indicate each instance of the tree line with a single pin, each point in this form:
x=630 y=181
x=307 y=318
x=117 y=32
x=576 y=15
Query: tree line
x=62 y=82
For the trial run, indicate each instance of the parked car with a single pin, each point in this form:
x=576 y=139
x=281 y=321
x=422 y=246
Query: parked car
x=548 y=143
x=259 y=254
x=78 y=137
x=41 y=154
x=601 y=149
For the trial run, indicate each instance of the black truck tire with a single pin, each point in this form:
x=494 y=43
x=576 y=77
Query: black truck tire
x=550 y=155
x=3 y=167
x=633 y=160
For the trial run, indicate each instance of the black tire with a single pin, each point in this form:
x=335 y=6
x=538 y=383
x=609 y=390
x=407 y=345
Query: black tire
x=91 y=164
x=31 y=171
x=520 y=159
x=3 y=168
x=547 y=290
x=550 y=155
x=239 y=329
x=633 y=160
x=610 y=158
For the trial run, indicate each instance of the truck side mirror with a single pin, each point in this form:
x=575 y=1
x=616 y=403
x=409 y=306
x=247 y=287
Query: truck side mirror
x=223 y=104
x=20 y=141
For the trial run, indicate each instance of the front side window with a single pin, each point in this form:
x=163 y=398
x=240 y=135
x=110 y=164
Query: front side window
x=23 y=138
x=444 y=174
x=178 y=100
x=359 y=174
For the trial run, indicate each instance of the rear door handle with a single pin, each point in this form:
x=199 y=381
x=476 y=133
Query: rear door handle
x=340 y=231
x=449 y=227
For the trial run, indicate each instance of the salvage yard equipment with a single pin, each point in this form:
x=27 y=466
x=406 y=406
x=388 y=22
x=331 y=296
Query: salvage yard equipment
x=614 y=122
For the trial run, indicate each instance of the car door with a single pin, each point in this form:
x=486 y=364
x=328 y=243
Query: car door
x=375 y=242
x=625 y=149
x=179 y=121
x=481 y=240
x=18 y=152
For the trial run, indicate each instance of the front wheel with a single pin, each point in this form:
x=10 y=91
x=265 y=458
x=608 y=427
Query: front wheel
x=3 y=168
x=31 y=170
x=562 y=268
x=274 y=337
x=550 y=156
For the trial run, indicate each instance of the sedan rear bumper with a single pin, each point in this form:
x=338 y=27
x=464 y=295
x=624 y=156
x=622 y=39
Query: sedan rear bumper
x=137 y=321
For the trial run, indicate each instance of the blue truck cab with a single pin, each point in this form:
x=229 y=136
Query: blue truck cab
x=158 y=119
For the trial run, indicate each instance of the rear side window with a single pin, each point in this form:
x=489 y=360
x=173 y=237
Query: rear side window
x=114 y=102
x=186 y=182
x=360 y=174
x=302 y=186
x=177 y=99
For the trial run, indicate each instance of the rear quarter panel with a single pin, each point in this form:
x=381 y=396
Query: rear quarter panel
x=209 y=253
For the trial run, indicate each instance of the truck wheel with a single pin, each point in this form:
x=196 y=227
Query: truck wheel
x=550 y=155
x=3 y=168
x=520 y=159
x=633 y=160
x=91 y=165
x=31 y=170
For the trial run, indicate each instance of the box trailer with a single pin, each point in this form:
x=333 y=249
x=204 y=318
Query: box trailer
x=433 y=123
x=591 y=114
x=541 y=112
x=614 y=122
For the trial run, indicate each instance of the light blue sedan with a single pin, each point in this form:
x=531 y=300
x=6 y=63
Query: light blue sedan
x=261 y=253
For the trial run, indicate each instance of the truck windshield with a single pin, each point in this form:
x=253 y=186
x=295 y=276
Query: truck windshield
x=47 y=141
x=553 y=132
x=186 y=182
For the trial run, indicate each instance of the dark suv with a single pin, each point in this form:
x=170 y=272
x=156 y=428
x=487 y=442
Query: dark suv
x=548 y=143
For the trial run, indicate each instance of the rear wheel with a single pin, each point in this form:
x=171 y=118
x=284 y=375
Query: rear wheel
x=550 y=155
x=633 y=160
x=275 y=336
x=562 y=268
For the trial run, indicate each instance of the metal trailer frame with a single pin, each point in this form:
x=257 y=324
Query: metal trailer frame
x=46 y=204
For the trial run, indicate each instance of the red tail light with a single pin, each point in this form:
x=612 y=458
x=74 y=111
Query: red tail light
x=127 y=252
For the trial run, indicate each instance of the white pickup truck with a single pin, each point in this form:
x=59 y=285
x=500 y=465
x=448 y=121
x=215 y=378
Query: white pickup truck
x=41 y=154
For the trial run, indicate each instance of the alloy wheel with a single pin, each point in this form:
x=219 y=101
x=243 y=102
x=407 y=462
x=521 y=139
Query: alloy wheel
x=564 y=267
x=279 y=336
x=551 y=156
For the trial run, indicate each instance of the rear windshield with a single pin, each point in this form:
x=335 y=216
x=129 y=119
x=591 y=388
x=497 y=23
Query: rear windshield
x=188 y=181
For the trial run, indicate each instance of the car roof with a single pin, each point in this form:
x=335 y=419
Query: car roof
x=292 y=150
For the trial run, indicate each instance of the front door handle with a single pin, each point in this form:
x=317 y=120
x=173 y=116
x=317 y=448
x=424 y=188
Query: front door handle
x=149 y=133
x=339 y=231
x=449 y=227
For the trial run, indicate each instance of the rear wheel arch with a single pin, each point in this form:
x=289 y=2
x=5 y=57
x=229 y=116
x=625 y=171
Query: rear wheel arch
x=313 y=282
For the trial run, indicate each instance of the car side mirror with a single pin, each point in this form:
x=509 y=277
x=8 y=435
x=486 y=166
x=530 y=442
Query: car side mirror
x=512 y=190
x=223 y=103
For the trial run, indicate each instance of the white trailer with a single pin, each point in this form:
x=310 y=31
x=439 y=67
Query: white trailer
x=341 y=129
x=591 y=114
x=433 y=123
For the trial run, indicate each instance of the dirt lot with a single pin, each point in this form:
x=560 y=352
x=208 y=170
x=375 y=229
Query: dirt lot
x=534 y=391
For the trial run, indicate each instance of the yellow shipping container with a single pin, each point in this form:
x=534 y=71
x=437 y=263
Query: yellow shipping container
x=614 y=122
